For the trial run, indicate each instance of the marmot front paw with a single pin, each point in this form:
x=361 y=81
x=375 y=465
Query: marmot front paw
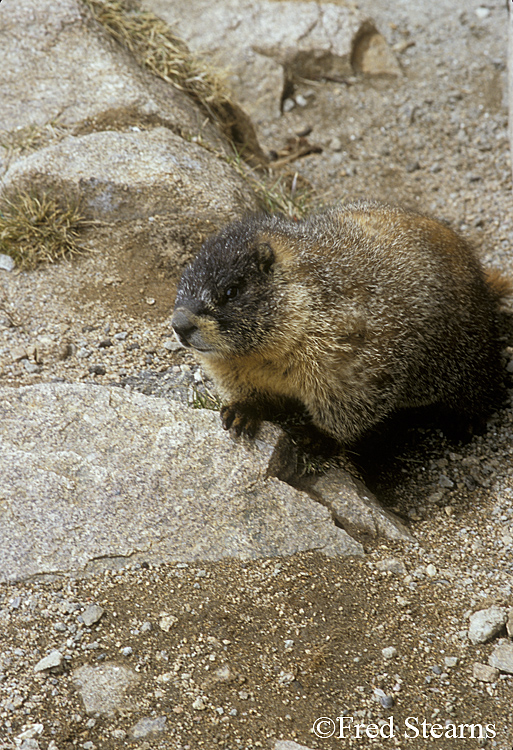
x=240 y=419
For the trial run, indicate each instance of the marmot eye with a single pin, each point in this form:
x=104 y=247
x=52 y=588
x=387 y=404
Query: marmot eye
x=230 y=294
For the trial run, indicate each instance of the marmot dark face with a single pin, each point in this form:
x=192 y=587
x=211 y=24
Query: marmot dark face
x=224 y=303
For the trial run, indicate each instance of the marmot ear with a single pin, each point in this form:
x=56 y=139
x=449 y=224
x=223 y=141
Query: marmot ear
x=265 y=257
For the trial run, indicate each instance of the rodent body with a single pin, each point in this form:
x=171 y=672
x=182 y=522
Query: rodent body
x=353 y=313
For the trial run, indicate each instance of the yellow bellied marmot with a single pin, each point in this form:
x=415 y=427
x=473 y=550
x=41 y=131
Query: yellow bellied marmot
x=353 y=313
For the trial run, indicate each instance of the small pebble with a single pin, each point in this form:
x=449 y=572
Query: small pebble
x=486 y=623
x=30 y=731
x=167 y=622
x=172 y=345
x=284 y=678
x=199 y=704
x=92 y=614
x=485 y=673
x=502 y=657
x=54 y=659
x=65 y=350
x=97 y=370
x=30 y=367
x=30 y=744
x=393 y=565
x=6 y=262
x=147 y=727
x=482 y=12
x=224 y=674
x=509 y=623
x=386 y=701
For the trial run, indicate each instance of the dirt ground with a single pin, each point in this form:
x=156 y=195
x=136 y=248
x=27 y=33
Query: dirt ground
x=261 y=650
x=268 y=647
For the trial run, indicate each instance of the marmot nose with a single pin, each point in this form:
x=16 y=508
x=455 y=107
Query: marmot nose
x=183 y=324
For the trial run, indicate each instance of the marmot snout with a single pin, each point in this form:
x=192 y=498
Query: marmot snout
x=352 y=314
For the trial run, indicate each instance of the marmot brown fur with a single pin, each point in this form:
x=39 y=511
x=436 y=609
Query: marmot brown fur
x=354 y=313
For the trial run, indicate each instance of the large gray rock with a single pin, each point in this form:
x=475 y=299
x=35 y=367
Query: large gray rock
x=133 y=175
x=267 y=45
x=356 y=508
x=80 y=117
x=92 y=472
x=58 y=65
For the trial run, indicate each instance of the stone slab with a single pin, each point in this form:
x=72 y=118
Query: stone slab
x=92 y=475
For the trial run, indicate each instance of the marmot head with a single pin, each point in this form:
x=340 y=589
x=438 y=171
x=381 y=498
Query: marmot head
x=226 y=301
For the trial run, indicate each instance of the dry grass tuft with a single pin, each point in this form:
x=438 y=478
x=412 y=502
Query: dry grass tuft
x=205 y=399
x=8 y=311
x=31 y=137
x=156 y=48
x=286 y=193
x=23 y=140
x=290 y=197
x=39 y=228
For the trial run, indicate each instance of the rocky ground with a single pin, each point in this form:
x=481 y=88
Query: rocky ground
x=250 y=654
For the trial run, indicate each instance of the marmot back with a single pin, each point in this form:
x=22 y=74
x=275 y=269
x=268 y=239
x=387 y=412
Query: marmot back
x=352 y=313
